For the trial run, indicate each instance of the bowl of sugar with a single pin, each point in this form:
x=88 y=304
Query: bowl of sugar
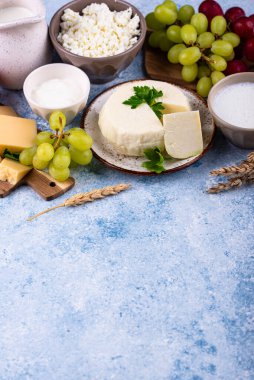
x=57 y=87
x=231 y=104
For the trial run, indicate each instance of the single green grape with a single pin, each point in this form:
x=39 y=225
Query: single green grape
x=232 y=38
x=165 y=44
x=155 y=37
x=222 y=48
x=174 y=52
x=165 y=15
x=153 y=23
x=204 y=86
x=26 y=156
x=44 y=137
x=80 y=141
x=218 y=25
x=216 y=76
x=230 y=57
x=189 y=73
x=39 y=164
x=200 y=22
x=77 y=129
x=59 y=174
x=171 y=5
x=203 y=71
x=189 y=56
x=62 y=158
x=217 y=63
x=57 y=121
x=205 y=40
x=81 y=158
x=185 y=14
x=45 y=152
x=188 y=34
x=174 y=34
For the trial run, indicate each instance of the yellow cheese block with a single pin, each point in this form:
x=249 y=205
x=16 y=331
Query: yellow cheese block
x=12 y=171
x=8 y=111
x=16 y=133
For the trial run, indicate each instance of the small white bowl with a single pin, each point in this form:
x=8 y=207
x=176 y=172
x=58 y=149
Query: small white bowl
x=57 y=71
x=240 y=136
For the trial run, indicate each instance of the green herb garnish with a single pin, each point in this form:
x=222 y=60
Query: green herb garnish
x=156 y=160
x=145 y=94
x=12 y=156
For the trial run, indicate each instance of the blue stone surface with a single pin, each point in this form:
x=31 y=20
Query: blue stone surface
x=153 y=284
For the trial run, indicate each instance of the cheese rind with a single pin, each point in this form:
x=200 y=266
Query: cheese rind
x=16 y=133
x=12 y=171
x=7 y=111
x=183 y=135
x=134 y=130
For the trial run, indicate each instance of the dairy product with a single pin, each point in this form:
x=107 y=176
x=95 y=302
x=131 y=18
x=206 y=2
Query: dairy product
x=234 y=104
x=16 y=133
x=134 y=130
x=12 y=171
x=98 y=32
x=9 y=14
x=57 y=93
x=183 y=135
x=8 y=111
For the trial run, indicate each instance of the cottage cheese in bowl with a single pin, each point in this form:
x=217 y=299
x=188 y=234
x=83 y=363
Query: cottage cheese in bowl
x=98 y=31
x=234 y=104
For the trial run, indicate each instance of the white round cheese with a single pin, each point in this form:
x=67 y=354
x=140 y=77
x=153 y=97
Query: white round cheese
x=134 y=130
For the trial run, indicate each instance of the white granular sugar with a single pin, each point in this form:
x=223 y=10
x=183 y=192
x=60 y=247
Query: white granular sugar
x=98 y=32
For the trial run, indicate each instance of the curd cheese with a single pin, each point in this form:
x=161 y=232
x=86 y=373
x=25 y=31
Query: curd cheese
x=98 y=32
x=183 y=135
x=134 y=130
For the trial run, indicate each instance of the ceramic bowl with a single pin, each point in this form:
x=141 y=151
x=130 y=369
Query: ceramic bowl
x=238 y=135
x=104 y=69
x=57 y=71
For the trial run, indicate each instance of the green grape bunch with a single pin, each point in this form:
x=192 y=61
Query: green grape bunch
x=188 y=40
x=57 y=150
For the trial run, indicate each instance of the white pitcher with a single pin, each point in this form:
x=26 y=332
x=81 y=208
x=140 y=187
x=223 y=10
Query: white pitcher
x=24 y=41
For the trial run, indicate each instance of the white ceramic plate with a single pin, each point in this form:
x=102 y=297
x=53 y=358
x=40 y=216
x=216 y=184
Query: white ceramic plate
x=106 y=153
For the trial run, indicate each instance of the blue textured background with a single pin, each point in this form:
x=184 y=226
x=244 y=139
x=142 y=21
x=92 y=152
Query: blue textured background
x=153 y=284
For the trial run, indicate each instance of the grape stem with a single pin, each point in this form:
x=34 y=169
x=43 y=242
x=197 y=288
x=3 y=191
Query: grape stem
x=205 y=58
x=59 y=139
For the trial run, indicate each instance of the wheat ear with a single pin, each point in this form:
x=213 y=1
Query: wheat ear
x=232 y=182
x=79 y=199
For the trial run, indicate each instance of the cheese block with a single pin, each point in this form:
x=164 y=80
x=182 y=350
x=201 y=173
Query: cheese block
x=183 y=135
x=134 y=130
x=8 y=111
x=12 y=171
x=16 y=133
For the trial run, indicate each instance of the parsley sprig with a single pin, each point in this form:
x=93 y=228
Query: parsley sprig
x=12 y=156
x=156 y=160
x=148 y=95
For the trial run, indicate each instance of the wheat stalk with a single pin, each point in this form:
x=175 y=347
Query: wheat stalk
x=250 y=157
x=244 y=173
x=244 y=168
x=232 y=182
x=79 y=199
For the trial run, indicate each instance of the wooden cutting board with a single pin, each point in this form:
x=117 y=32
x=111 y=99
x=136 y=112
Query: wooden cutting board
x=158 y=67
x=41 y=182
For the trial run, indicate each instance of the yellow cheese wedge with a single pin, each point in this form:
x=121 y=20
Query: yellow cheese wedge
x=8 y=111
x=12 y=171
x=16 y=133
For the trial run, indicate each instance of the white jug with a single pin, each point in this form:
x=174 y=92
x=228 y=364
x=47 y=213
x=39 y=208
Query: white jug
x=24 y=41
